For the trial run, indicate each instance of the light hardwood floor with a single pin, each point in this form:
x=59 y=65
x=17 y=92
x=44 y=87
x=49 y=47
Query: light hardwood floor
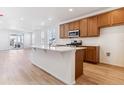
x=102 y=74
x=16 y=68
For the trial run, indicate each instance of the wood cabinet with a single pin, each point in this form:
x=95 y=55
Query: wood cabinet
x=90 y=27
x=92 y=54
x=66 y=29
x=79 y=58
x=114 y=17
x=76 y=25
x=71 y=26
x=93 y=26
x=83 y=28
x=104 y=20
x=118 y=16
x=62 y=33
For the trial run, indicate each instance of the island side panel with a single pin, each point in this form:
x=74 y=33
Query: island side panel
x=79 y=56
x=59 y=64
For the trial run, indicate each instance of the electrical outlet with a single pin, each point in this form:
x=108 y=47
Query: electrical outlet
x=108 y=54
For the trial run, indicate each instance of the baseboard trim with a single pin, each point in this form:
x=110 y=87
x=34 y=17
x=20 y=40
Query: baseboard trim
x=112 y=65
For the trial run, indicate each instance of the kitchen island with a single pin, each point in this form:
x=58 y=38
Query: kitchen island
x=64 y=63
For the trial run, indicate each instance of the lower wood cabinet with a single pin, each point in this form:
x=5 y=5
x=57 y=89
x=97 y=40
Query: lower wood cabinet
x=92 y=54
x=79 y=58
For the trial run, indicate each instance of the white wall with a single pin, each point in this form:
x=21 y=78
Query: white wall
x=36 y=38
x=111 y=40
x=4 y=40
x=38 y=35
x=27 y=40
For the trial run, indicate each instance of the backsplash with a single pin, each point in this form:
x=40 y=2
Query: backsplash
x=94 y=41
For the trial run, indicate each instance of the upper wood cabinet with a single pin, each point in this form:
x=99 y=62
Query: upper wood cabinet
x=90 y=27
x=118 y=16
x=83 y=28
x=104 y=19
x=71 y=26
x=93 y=26
x=66 y=29
x=114 y=17
x=62 y=34
x=76 y=25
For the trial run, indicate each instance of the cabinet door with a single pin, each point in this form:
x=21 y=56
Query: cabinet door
x=104 y=19
x=92 y=54
x=93 y=26
x=83 y=28
x=76 y=25
x=118 y=16
x=66 y=26
x=62 y=34
x=71 y=26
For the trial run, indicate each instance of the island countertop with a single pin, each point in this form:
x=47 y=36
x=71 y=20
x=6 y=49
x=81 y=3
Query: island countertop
x=56 y=48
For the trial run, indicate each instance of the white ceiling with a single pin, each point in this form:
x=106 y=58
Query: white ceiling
x=29 y=18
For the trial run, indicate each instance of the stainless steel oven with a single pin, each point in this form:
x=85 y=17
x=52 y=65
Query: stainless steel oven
x=73 y=34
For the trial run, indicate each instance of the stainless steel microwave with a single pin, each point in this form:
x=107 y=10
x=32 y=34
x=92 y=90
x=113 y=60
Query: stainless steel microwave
x=74 y=33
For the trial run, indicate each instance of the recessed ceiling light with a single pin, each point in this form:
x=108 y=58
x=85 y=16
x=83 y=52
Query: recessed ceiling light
x=70 y=9
x=49 y=18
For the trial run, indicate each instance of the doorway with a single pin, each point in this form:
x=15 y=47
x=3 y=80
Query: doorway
x=16 y=41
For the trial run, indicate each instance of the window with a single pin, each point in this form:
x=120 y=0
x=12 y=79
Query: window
x=51 y=35
x=16 y=41
x=42 y=37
